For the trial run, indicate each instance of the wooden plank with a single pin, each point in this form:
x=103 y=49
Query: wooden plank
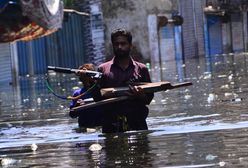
x=99 y=103
x=148 y=88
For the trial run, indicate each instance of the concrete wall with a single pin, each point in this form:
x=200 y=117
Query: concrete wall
x=140 y=17
x=132 y=15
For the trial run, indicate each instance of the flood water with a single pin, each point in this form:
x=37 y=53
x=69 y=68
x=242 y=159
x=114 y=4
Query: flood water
x=204 y=125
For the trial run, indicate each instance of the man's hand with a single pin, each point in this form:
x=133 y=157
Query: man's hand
x=136 y=91
x=83 y=77
x=80 y=102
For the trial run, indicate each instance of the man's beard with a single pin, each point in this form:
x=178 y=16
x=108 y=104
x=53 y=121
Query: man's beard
x=121 y=53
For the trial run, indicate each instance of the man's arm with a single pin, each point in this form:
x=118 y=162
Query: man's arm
x=139 y=94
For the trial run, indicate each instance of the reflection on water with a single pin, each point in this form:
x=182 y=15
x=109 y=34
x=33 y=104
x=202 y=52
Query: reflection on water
x=204 y=125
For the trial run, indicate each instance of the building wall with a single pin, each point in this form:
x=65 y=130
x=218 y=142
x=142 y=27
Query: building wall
x=132 y=15
x=93 y=27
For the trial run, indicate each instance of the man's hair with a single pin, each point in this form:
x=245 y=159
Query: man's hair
x=121 y=32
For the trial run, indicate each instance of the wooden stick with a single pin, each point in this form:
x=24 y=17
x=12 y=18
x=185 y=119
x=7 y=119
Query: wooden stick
x=149 y=88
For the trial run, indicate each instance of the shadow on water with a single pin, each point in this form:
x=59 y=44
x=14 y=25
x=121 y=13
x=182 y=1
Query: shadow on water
x=204 y=125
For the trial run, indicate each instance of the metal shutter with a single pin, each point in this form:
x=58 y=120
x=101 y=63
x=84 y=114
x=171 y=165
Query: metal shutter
x=189 y=39
x=5 y=63
x=214 y=35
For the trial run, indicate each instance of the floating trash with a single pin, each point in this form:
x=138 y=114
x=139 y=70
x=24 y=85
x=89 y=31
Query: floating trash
x=222 y=164
x=73 y=79
x=95 y=147
x=90 y=130
x=34 y=147
x=210 y=157
x=211 y=97
x=187 y=97
x=237 y=100
x=39 y=100
x=222 y=76
x=207 y=76
x=228 y=94
x=6 y=162
x=25 y=100
x=225 y=86
x=75 y=88
x=186 y=90
x=163 y=101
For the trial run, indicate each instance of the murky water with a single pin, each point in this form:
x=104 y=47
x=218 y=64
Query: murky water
x=204 y=125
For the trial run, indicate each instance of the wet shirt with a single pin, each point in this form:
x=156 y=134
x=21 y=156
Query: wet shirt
x=135 y=110
x=77 y=93
x=114 y=76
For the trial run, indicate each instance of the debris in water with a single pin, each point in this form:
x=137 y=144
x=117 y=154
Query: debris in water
x=211 y=97
x=210 y=157
x=34 y=147
x=187 y=97
x=163 y=101
x=95 y=147
x=225 y=86
x=222 y=164
x=153 y=101
x=39 y=100
x=75 y=88
x=228 y=94
x=90 y=130
x=237 y=100
x=6 y=162
x=207 y=76
x=186 y=90
x=221 y=76
x=25 y=100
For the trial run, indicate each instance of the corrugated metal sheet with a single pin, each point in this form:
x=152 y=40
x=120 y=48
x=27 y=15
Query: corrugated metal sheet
x=5 y=63
x=64 y=48
x=189 y=37
x=199 y=28
x=22 y=58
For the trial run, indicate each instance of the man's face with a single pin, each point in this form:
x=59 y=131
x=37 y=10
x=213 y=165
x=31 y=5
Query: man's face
x=121 y=47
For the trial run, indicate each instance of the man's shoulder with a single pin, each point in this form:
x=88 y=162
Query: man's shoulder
x=105 y=64
x=78 y=91
x=140 y=64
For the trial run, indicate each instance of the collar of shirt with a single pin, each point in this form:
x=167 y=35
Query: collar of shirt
x=132 y=62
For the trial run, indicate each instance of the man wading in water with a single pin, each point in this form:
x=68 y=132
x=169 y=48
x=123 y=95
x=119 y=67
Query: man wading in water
x=121 y=71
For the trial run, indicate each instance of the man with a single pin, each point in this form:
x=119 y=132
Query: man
x=121 y=71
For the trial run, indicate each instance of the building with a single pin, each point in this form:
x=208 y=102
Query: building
x=209 y=27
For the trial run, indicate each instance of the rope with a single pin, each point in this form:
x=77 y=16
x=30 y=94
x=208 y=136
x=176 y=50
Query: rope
x=68 y=97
